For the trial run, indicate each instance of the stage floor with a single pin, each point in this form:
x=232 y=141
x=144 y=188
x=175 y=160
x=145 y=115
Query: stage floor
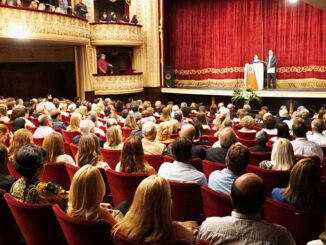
x=272 y=93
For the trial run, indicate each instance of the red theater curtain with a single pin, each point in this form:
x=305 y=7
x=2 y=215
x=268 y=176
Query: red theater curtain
x=297 y=33
x=212 y=39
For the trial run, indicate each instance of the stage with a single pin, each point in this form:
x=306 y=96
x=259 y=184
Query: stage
x=266 y=93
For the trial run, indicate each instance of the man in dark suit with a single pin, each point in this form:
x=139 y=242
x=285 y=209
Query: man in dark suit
x=261 y=140
x=227 y=138
x=270 y=62
x=57 y=120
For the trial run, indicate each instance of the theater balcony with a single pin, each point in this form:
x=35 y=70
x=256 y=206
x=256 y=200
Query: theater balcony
x=30 y=24
x=116 y=34
x=126 y=83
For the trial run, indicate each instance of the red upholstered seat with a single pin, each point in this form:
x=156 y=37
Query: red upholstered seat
x=237 y=127
x=66 y=119
x=67 y=149
x=8 y=125
x=58 y=130
x=316 y=159
x=69 y=135
x=186 y=202
x=34 y=121
x=36 y=222
x=122 y=185
x=111 y=157
x=209 y=167
x=206 y=131
x=248 y=143
x=246 y=135
x=74 y=149
x=103 y=128
x=12 y=170
x=56 y=172
x=202 y=242
x=31 y=129
x=125 y=132
x=119 y=239
x=174 y=136
x=168 y=158
x=212 y=139
x=212 y=132
x=71 y=170
x=155 y=161
x=271 y=178
x=83 y=232
x=258 y=157
x=304 y=225
x=38 y=141
x=9 y=232
x=215 y=203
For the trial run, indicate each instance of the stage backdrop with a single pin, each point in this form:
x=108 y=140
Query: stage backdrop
x=208 y=42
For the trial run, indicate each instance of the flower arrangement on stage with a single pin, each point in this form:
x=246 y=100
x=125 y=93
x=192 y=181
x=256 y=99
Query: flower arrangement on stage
x=245 y=95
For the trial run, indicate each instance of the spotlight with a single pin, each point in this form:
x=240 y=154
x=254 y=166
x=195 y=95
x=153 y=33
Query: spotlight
x=17 y=31
x=293 y=1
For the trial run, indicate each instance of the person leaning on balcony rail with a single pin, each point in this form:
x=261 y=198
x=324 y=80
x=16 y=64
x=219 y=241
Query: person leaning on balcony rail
x=80 y=9
x=16 y=3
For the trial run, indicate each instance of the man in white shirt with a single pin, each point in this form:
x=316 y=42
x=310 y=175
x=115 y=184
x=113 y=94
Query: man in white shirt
x=150 y=146
x=303 y=147
x=181 y=170
x=317 y=127
x=45 y=127
x=245 y=225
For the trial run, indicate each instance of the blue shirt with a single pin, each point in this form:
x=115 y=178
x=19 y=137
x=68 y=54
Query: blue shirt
x=222 y=180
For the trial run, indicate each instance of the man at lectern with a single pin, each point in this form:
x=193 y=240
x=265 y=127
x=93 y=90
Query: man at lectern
x=270 y=62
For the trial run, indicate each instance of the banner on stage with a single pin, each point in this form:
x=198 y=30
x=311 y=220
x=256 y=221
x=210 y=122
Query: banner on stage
x=254 y=76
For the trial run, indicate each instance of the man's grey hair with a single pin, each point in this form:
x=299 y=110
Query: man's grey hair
x=247 y=107
x=148 y=129
x=40 y=107
x=43 y=120
x=86 y=126
x=304 y=113
x=227 y=137
x=111 y=122
x=72 y=107
x=183 y=104
x=318 y=125
x=261 y=137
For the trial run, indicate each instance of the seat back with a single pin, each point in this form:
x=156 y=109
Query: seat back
x=12 y=170
x=297 y=158
x=67 y=149
x=207 y=131
x=38 y=141
x=69 y=135
x=271 y=178
x=215 y=203
x=303 y=225
x=74 y=150
x=83 y=232
x=209 y=167
x=155 y=161
x=212 y=139
x=186 y=202
x=36 y=222
x=119 y=239
x=122 y=185
x=125 y=132
x=31 y=129
x=245 y=142
x=167 y=158
x=246 y=135
x=71 y=170
x=8 y=125
x=9 y=232
x=66 y=119
x=56 y=172
x=111 y=157
x=258 y=157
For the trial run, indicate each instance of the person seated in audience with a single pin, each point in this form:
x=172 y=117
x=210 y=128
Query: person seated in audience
x=260 y=118
x=138 y=131
x=86 y=193
x=283 y=115
x=178 y=116
x=150 y=146
x=104 y=17
x=283 y=131
x=86 y=127
x=237 y=160
x=212 y=111
x=124 y=115
x=21 y=112
x=201 y=118
x=247 y=123
x=6 y=181
x=303 y=147
x=282 y=157
x=134 y=19
x=305 y=115
x=3 y=114
x=164 y=132
x=166 y=114
x=93 y=117
x=199 y=131
x=245 y=225
x=125 y=18
x=34 y=4
x=89 y=152
x=113 y=17
x=219 y=120
x=113 y=139
x=74 y=122
x=110 y=122
x=303 y=188
x=320 y=241
x=54 y=145
x=21 y=137
x=261 y=140
x=225 y=124
x=227 y=138
x=317 y=128
x=269 y=124
x=57 y=120
x=4 y=134
x=247 y=110
x=29 y=163
x=149 y=217
x=132 y=158
x=181 y=170
x=130 y=122
x=45 y=127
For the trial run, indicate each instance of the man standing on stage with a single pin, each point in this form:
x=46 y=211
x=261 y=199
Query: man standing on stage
x=103 y=65
x=270 y=62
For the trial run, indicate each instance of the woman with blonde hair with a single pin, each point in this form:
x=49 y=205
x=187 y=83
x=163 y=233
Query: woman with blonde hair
x=113 y=139
x=193 y=108
x=150 y=111
x=54 y=145
x=163 y=133
x=303 y=188
x=89 y=152
x=4 y=134
x=130 y=122
x=21 y=137
x=166 y=114
x=247 y=123
x=219 y=120
x=201 y=118
x=282 y=157
x=149 y=217
x=86 y=193
x=74 y=122
x=132 y=158
x=3 y=113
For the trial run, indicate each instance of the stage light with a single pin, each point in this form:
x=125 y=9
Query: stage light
x=293 y=1
x=17 y=31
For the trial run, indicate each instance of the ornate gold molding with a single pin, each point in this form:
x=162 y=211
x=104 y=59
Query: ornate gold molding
x=300 y=69
x=44 y=25
x=124 y=84
x=116 y=34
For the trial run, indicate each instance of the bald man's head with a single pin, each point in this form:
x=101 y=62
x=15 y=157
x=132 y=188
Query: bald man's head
x=188 y=131
x=248 y=194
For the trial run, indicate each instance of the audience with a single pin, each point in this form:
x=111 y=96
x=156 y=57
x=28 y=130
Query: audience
x=317 y=128
x=150 y=146
x=113 y=139
x=261 y=140
x=181 y=169
x=237 y=159
x=6 y=181
x=45 y=127
x=245 y=225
